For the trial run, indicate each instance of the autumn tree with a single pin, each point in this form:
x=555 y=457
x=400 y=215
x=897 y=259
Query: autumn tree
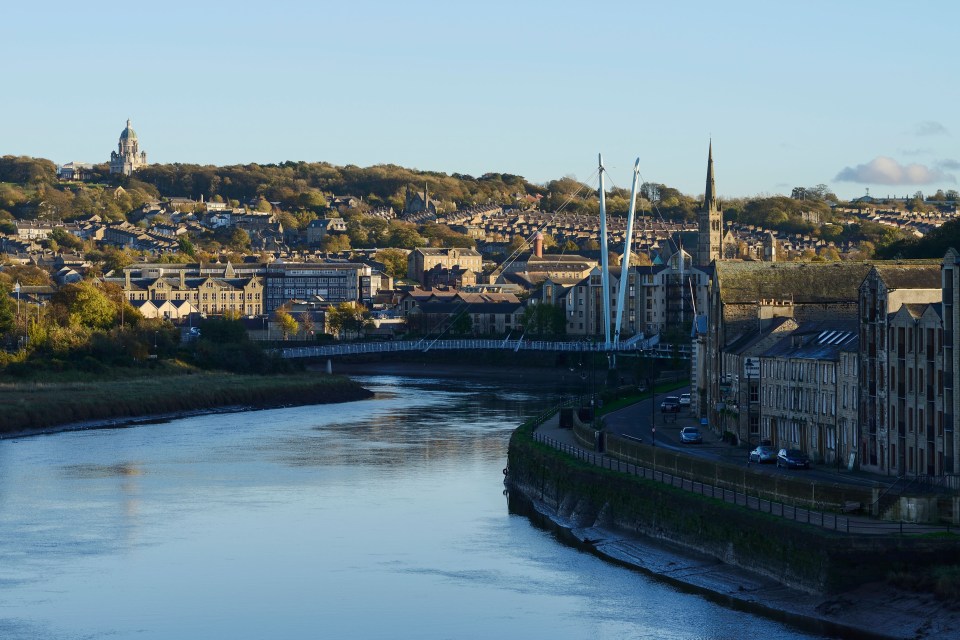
x=288 y=325
x=335 y=242
x=349 y=318
x=395 y=261
x=84 y=305
x=8 y=309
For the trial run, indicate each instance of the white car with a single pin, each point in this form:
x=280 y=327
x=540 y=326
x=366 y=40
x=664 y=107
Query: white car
x=684 y=399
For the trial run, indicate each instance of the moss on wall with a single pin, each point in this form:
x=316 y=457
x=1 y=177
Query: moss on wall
x=799 y=555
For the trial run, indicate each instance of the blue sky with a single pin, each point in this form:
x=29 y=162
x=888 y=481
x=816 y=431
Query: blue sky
x=854 y=95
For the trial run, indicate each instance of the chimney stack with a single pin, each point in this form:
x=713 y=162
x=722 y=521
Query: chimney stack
x=538 y=244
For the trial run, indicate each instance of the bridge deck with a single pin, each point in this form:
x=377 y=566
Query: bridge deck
x=352 y=348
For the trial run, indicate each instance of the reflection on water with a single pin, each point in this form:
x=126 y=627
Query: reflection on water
x=382 y=518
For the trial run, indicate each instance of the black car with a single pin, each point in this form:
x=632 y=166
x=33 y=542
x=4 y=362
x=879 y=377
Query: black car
x=670 y=404
x=793 y=459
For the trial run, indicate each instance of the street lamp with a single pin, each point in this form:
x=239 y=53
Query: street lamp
x=653 y=413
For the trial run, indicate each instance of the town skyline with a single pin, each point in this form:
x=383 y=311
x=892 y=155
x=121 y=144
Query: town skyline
x=788 y=99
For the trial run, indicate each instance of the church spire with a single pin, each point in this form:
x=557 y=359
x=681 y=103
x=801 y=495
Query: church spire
x=709 y=220
x=710 y=191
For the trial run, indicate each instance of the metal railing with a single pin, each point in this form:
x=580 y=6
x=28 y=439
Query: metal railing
x=833 y=521
x=353 y=348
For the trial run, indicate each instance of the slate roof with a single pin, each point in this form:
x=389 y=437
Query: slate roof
x=824 y=344
x=910 y=276
x=805 y=282
x=747 y=340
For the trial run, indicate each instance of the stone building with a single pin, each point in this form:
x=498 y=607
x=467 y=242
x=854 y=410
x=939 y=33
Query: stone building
x=884 y=289
x=128 y=157
x=216 y=291
x=950 y=278
x=419 y=202
x=848 y=397
x=659 y=298
x=738 y=410
x=801 y=378
x=747 y=297
x=423 y=259
x=916 y=439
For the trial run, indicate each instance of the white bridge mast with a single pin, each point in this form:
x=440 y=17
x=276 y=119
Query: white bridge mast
x=625 y=261
x=604 y=259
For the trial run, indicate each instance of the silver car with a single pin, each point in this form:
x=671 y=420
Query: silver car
x=764 y=454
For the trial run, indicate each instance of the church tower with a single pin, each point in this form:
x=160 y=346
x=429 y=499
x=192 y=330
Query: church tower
x=128 y=157
x=709 y=220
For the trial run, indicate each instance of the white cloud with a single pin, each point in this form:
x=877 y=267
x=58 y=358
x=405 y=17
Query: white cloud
x=930 y=128
x=884 y=170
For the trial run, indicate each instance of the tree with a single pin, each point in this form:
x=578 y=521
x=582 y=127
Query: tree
x=306 y=323
x=65 y=239
x=404 y=235
x=86 y=306
x=186 y=247
x=830 y=254
x=8 y=309
x=313 y=201
x=25 y=274
x=395 y=261
x=517 y=244
x=239 y=240
x=335 y=242
x=462 y=324
x=544 y=320
x=348 y=318
x=285 y=321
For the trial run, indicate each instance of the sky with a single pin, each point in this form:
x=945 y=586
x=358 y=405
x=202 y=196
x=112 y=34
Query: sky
x=854 y=95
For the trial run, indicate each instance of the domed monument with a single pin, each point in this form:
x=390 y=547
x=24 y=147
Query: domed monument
x=128 y=157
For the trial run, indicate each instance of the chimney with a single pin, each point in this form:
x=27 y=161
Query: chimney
x=538 y=244
x=126 y=279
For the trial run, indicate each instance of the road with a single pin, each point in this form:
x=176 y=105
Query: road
x=635 y=421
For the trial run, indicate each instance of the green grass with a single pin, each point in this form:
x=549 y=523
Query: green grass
x=35 y=405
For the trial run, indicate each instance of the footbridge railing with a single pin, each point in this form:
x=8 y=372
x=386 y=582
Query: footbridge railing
x=354 y=348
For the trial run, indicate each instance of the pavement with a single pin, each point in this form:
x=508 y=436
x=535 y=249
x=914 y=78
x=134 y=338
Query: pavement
x=870 y=611
x=634 y=421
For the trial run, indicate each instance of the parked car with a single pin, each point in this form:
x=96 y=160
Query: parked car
x=793 y=459
x=763 y=454
x=684 y=399
x=690 y=435
x=670 y=404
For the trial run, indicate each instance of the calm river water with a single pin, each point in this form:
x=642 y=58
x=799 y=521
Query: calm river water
x=377 y=519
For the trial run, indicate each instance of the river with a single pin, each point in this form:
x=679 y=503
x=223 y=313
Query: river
x=383 y=518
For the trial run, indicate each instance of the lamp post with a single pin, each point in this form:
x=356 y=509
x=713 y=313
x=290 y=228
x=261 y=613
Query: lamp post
x=653 y=411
